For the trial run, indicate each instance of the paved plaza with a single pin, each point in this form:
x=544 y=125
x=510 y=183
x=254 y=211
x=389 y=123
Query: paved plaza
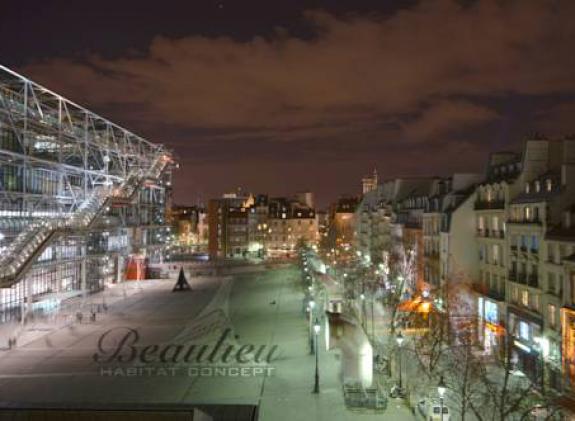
x=261 y=308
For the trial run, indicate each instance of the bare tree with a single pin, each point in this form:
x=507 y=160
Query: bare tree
x=463 y=375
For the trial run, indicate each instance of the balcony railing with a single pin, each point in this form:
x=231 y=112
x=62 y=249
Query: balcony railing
x=524 y=221
x=490 y=233
x=496 y=294
x=493 y=204
x=489 y=292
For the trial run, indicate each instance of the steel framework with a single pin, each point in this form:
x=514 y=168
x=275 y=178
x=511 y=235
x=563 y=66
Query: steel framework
x=70 y=181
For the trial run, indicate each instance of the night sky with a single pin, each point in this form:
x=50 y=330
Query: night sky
x=285 y=96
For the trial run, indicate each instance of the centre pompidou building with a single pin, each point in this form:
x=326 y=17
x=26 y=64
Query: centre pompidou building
x=82 y=200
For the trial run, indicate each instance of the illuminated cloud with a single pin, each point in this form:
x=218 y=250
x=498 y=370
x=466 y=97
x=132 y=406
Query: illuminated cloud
x=429 y=73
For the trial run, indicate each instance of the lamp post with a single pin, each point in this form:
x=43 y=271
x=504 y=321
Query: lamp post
x=441 y=388
x=399 y=340
x=362 y=297
x=311 y=306
x=316 y=329
x=372 y=321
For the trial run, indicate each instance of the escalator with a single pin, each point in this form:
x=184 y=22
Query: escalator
x=23 y=251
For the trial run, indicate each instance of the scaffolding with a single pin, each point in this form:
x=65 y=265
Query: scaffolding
x=79 y=197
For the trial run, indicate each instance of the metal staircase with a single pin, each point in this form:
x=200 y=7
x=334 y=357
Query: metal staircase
x=23 y=251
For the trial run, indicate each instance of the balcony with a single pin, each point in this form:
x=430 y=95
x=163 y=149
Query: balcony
x=490 y=233
x=496 y=295
x=524 y=221
x=488 y=292
x=486 y=205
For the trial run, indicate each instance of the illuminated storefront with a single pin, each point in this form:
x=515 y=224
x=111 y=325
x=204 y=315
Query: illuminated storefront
x=490 y=329
x=568 y=345
x=525 y=332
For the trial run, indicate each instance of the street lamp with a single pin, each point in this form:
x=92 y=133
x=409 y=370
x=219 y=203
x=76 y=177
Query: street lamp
x=399 y=340
x=316 y=329
x=441 y=388
x=362 y=297
x=311 y=307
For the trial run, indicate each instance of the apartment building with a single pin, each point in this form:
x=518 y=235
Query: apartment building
x=491 y=208
x=446 y=197
x=342 y=222
x=228 y=226
x=290 y=222
x=248 y=226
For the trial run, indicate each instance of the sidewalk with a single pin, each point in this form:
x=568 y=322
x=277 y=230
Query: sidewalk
x=288 y=394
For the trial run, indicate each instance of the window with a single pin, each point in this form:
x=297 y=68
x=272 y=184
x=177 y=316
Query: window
x=551 y=282
x=549 y=184
x=527 y=189
x=537 y=186
x=495 y=254
x=523 y=330
x=514 y=294
x=495 y=223
x=551 y=310
x=534 y=243
x=525 y=297
x=534 y=305
x=494 y=283
x=550 y=252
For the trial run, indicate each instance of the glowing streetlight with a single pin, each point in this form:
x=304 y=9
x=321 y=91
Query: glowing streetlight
x=316 y=329
x=399 y=340
x=311 y=307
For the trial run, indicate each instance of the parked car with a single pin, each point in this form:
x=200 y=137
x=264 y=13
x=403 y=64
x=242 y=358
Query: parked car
x=431 y=410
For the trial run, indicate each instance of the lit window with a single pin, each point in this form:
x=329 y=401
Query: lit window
x=525 y=297
x=527 y=188
x=549 y=184
x=523 y=330
x=551 y=315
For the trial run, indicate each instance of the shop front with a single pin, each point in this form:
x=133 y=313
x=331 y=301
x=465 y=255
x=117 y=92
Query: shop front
x=526 y=352
x=490 y=328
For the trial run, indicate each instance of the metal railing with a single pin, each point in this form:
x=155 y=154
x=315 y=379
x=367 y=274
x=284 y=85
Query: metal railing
x=31 y=241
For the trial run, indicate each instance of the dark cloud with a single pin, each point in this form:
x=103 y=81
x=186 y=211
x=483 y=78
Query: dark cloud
x=430 y=73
